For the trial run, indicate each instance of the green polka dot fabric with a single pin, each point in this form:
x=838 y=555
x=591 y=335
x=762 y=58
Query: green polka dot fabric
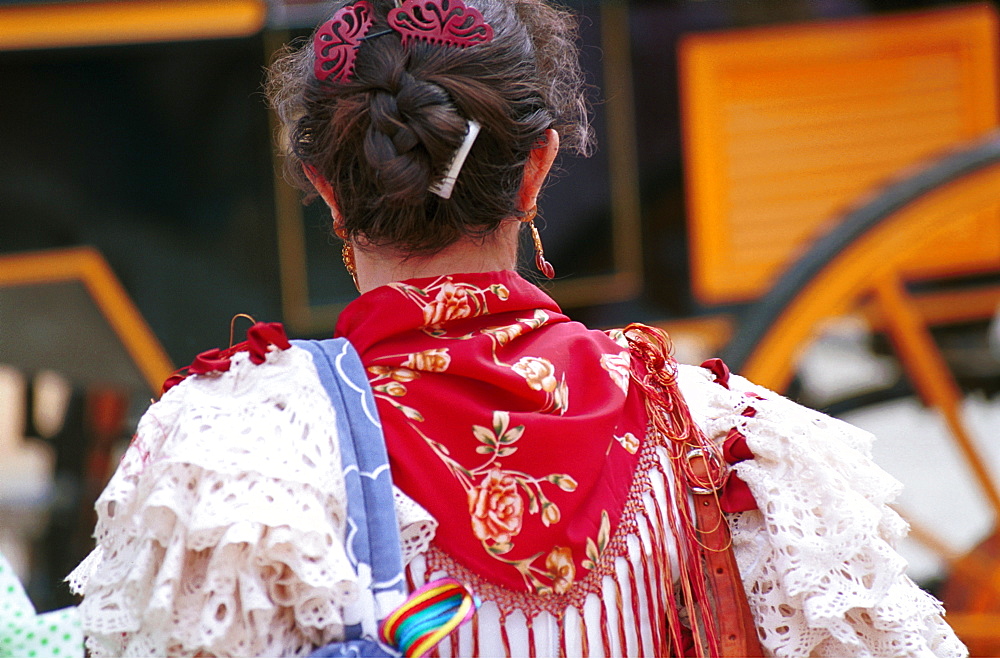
x=24 y=633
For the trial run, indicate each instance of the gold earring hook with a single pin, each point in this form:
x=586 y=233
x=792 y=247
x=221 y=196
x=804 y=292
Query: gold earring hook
x=544 y=266
x=347 y=254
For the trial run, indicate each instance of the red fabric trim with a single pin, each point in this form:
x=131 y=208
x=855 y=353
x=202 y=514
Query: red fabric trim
x=208 y=362
x=260 y=338
x=719 y=369
x=734 y=448
x=736 y=497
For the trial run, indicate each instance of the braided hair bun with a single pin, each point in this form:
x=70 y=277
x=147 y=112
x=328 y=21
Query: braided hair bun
x=383 y=138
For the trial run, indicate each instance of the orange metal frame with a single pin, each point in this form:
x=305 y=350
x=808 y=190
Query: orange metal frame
x=86 y=265
x=102 y=23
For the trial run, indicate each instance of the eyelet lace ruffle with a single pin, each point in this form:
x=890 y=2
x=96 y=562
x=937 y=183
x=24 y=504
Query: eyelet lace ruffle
x=818 y=557
x=222 y=531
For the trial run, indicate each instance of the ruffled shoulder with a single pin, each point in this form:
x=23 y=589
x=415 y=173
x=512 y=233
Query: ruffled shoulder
x=818 y=556
x=223 y=530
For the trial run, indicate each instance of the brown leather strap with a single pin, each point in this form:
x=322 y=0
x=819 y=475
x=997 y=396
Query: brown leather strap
x=737 y=632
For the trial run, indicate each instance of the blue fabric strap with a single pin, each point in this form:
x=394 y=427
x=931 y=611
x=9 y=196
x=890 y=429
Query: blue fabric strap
x=373 y=533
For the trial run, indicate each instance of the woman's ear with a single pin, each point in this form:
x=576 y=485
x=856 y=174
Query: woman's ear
x=324 y=189
x=537 y=169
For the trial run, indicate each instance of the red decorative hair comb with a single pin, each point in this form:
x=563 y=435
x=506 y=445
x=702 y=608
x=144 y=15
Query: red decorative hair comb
x=336 y=41
x=447 y=22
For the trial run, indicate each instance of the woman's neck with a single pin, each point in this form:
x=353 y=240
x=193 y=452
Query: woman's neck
x=381 y=266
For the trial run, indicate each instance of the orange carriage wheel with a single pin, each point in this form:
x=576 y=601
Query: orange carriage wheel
x=863 y=263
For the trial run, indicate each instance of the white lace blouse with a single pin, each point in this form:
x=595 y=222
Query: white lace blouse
x=222 y=533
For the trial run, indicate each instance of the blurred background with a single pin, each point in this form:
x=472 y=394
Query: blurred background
x=809 y=188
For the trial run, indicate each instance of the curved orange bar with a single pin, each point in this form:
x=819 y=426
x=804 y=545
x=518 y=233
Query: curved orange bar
x=86 y=265
x=885 y=250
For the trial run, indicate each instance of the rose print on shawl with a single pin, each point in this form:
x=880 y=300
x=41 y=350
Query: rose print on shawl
x=451 y=303
x=629 y=442
x=500 y=499
x=498 y=442
x=618 y=367
x=504 y=334
x=393 y=389
x=497 y=509
x=387 y=384
x=434 y=361
x=497 y=503
x=397 y=374
x=539 y=373
x=560 y=565
x=444 y=300
x=560 y=569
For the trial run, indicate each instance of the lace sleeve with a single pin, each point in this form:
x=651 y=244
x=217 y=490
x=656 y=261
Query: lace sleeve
x=416 y=526
x=222 y=531
x=817 y=558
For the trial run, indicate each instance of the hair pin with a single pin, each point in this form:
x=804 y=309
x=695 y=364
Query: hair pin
x=376 y=35
x=446 y=185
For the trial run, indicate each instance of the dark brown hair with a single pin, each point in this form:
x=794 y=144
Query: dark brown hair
x=385 y=136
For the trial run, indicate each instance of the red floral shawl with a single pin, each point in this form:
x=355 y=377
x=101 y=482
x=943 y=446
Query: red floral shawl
x=514 y=426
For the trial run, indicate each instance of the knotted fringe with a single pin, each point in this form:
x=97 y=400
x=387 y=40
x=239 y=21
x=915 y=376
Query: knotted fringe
x=671 y=418
x=646 y=578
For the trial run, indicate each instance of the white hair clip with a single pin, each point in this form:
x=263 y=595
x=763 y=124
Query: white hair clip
x=446 y=185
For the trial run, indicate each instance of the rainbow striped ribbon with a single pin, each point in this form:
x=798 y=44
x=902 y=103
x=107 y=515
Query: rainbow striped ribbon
x=431 y=613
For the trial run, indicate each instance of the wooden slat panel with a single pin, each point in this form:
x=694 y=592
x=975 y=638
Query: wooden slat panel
x=786 y=126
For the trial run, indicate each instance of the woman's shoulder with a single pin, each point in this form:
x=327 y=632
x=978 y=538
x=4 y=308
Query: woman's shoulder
x=235 y=473
x=252 y=367
x=244 y=409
